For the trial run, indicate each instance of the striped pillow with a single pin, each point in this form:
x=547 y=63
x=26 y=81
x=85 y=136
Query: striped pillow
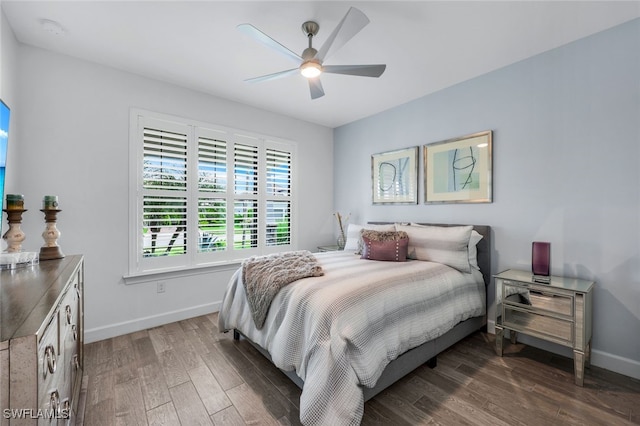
x=442 y=244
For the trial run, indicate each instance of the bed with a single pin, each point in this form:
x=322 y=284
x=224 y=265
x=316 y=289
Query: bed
x=346 y=335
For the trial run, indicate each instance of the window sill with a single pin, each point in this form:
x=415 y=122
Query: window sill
x=184 y=271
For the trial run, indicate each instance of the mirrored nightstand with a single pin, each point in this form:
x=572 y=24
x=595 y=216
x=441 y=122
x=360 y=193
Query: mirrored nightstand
x=559 y=312
x=328 y=248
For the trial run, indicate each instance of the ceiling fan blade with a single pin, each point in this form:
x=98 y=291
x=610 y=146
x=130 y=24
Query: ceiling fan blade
x=316 y=88
x=273 y=76
x=351 y=24
x=261 y=37
x=361 y=70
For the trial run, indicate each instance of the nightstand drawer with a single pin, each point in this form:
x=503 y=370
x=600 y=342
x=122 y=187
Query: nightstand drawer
x=556 y=329
x=539 y=299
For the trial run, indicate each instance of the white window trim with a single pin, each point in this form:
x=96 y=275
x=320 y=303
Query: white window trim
x=195 y=262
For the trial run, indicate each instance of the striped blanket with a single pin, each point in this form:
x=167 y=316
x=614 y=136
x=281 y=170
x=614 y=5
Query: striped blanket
x=339 y=331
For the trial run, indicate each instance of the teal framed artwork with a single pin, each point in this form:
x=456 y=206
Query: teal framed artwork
x=459 y=170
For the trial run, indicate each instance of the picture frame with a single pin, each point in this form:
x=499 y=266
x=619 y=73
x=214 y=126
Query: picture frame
x=394 y=176
x=459 y=170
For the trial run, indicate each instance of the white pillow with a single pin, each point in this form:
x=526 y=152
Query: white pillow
x=443 y=244
x=473 y=250
x=354 y=238
x=353 y=235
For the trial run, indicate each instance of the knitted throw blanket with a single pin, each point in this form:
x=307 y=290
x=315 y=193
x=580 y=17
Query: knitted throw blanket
x=264 y=276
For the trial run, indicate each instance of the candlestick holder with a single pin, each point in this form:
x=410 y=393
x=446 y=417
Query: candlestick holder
x=14 y=236
x=50 y=250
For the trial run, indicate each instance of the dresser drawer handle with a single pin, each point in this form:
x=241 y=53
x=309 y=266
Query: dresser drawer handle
x=65 y=409
x=74 y=329
x=50 y=360
x=54 y=402
x=67 y=309
x=76 y=363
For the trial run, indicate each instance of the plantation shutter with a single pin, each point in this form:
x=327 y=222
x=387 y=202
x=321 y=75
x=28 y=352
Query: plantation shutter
x=164 y=193
x=278 y=197
x=212 y=194
x=245 y=208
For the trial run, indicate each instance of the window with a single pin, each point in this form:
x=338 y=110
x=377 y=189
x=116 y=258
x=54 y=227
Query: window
x=203 y=194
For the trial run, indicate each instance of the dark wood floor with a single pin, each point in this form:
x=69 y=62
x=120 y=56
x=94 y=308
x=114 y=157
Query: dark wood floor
x=186 y=373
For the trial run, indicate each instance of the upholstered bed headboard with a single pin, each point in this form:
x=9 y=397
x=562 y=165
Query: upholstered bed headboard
x=484 y=246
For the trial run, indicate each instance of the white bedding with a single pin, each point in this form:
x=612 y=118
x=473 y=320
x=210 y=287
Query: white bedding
x=340 y=330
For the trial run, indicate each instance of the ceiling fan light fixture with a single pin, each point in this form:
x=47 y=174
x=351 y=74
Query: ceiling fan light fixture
x=309 y=64
x=310 y=69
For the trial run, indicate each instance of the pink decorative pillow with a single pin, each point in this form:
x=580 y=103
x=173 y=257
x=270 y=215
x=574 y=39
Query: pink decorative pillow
x=390 y=246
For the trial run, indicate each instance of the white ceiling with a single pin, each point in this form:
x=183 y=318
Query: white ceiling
x=426 y=45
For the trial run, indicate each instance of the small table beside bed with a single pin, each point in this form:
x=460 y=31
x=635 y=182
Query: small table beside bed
x=354 y=326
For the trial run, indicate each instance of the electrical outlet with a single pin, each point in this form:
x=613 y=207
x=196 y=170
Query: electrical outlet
x=161 y=286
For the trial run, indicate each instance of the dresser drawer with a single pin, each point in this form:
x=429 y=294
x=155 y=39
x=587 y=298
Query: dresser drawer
x=53 y=408
x=547 y=327
x=538 y=299
x=49 y=351
x=69 y=309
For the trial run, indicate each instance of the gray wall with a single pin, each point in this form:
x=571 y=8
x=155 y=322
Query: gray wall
x=566 y=129
x=71 y=123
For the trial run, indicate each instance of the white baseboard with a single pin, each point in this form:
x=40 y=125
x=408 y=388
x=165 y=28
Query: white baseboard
x=615 y=363
x=126 y=327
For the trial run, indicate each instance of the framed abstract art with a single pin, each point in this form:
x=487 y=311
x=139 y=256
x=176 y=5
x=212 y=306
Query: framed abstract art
x=394 y=176
x=459 y=170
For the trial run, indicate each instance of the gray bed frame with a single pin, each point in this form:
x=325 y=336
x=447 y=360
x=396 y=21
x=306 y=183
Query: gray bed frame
x=427 y=352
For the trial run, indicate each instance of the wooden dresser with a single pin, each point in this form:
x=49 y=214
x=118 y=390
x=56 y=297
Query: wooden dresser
x=41 y=345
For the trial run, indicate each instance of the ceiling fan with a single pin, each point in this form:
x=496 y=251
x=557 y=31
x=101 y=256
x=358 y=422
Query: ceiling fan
x=311 y=62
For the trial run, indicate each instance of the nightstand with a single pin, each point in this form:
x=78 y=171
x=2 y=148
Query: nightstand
x=558 y=311
x=328 y=248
